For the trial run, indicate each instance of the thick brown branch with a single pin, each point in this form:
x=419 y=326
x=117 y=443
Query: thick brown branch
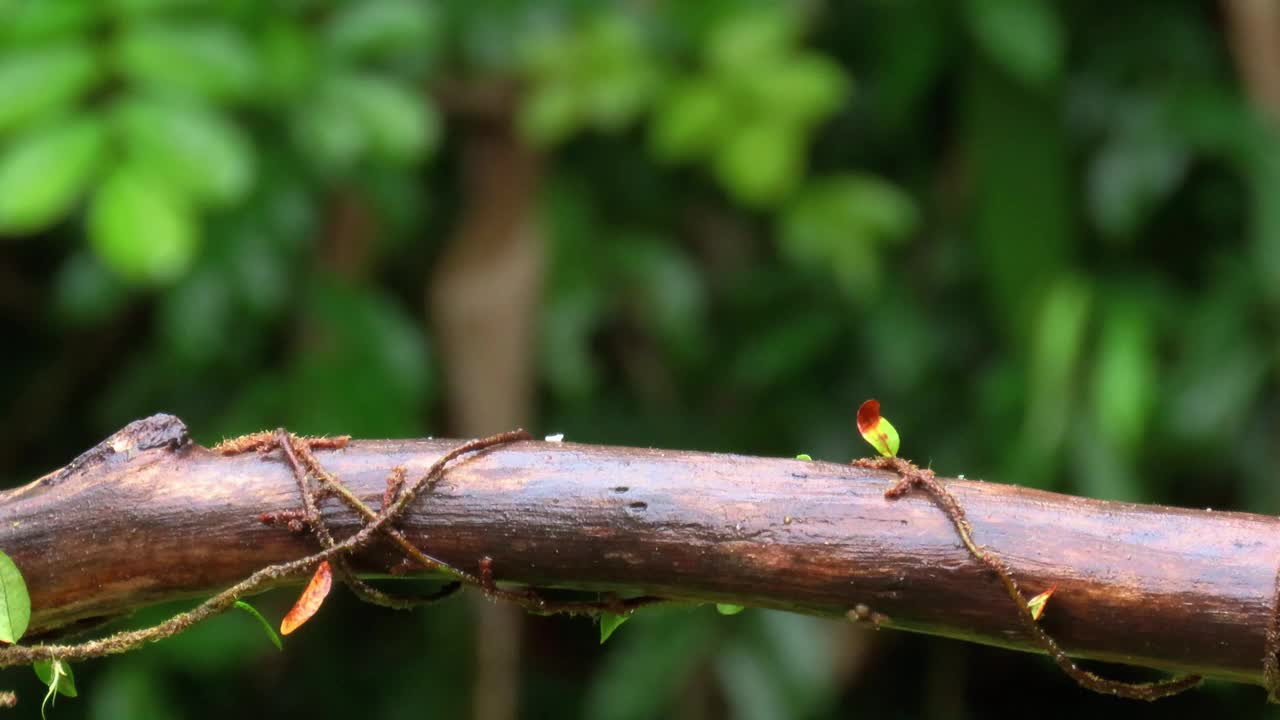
x=146 y=517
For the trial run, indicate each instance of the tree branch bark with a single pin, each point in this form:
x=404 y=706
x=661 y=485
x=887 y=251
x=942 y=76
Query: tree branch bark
x=147 y=517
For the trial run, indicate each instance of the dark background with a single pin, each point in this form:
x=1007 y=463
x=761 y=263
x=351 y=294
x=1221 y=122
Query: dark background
x=1046 y=237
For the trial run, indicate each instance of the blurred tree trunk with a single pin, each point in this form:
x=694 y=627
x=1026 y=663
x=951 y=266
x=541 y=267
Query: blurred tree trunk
x=484 y=299
x=1253 y=32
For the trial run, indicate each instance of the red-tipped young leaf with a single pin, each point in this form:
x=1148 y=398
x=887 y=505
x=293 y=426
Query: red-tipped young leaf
x=1037 y=603
x=876 y=430
x=310 y=600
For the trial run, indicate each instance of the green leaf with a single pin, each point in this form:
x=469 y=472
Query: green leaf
x=761 y=162
x=551 y=113
x=836 y=225
x=377 y=27
x=38 y=82
x=804 y=456
x=45 y=171
x=1024 y=37
x=141 y=229
x=877 y=430
x=727 y=609
x=751 y=40
x=610 y=622
x=1125 y=375
x=400 y=125
x=57 y=675
x=195 y=147
x=689 y=121
x=206 y=58
x=803 y=89
x=15 y=603
x=1037 y=604
x=56 y=672
x=36 y=22
x=266 y=626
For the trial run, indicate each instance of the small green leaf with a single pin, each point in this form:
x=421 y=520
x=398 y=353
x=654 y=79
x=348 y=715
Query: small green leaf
x=610 y=622
x=15 y=603
x=1037 y=603
x=140 y=228
x=804 y=456
x=727 y=609
x=876 y=430
x=761 y=162
x=58 y=676
x=266 y=626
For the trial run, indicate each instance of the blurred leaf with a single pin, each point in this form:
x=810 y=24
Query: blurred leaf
x=329 y=133
x=38 y=82
x=364 y=369
x=15 y=603
x=400 y=124
x=377 y=27
x=647 y=666
x=728 y=609
x=781 y=350
x=751 y=39
x=141 y=229
x=207 y=58
x=128 y=8
x=760 y=163
x=200 y=151
x=803 y=89
x=836 y=223
x=1024 y=37
x=1125 y=378
x=1131 y=174
x=1055 y=349
x=776 y=668
x=1018 y=150
x=195 y=317
x=665 y=291
x=288 y=57
x=45 y=171
x=689 y=121
x=36 y=22
x=85 y=292
x=550 y=113
x=610 y=622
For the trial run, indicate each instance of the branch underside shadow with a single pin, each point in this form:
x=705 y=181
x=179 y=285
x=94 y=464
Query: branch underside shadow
x=147 y=517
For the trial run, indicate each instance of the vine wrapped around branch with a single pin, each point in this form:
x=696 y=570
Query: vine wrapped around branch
x=1185 y=591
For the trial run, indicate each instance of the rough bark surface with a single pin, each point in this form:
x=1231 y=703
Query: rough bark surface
x=147 y=516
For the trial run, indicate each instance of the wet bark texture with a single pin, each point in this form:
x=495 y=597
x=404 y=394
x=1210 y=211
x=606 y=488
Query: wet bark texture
x=147 y=516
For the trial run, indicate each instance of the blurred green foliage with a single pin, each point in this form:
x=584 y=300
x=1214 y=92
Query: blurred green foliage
x=1046 y=236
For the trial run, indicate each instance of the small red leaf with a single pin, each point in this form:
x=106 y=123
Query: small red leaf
x=868 y=416
x=310 y=600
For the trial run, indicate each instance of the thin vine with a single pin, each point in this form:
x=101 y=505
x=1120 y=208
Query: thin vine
x=298 y=453
x=911 y=478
